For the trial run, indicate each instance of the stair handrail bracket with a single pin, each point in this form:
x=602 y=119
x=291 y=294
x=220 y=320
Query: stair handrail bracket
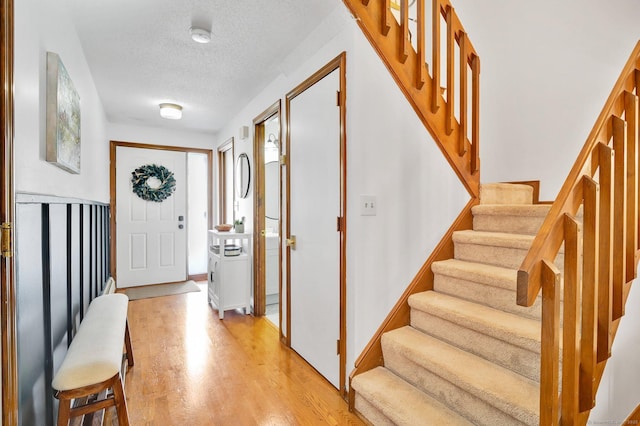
x=591 y=231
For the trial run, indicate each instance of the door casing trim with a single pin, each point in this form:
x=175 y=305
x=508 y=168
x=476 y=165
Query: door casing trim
x=8 y=301
x=112 y=186
x=339 y=62
x=259 y=244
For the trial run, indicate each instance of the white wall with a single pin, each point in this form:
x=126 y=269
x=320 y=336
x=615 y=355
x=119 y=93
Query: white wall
x=547 y=68
x=41 y=26
x=159 y=136
x=389 y=155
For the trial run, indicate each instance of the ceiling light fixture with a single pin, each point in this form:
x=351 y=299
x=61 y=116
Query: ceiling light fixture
x=171 y=111
x=200 y=35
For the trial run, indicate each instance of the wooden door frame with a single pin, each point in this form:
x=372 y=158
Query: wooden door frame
x=8 y=303
x=112 y=191
x=259 y=243
x=228 y=145
x=340 y=63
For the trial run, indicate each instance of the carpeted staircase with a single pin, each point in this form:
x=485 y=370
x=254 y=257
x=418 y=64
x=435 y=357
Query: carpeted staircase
x=470 y=355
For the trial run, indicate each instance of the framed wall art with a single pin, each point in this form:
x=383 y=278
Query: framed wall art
x=63 y=117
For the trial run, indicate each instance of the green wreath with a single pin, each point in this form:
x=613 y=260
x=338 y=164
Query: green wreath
x=141 y=188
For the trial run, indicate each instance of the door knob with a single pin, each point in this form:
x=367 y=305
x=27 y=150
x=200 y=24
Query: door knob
x=263 y=233
x=291 y=242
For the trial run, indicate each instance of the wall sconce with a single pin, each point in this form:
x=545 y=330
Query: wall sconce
x=171 y=111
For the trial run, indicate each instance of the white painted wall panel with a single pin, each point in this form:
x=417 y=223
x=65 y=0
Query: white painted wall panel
x=41 y=26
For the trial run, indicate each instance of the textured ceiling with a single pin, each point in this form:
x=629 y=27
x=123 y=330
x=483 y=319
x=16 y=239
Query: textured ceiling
x=141 y=54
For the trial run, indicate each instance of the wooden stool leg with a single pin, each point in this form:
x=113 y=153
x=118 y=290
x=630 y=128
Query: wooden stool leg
x=64 y=410
x=120 y=402
x=127 y=343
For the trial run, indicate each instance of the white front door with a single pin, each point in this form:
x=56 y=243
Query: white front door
x=314 y=120
x=151 y=237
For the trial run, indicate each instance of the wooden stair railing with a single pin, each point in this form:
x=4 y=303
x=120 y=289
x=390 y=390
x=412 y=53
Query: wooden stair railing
x=453 y=122
x=600 y=257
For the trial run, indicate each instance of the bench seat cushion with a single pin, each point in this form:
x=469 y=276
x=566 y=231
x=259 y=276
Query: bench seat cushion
x=95 y=353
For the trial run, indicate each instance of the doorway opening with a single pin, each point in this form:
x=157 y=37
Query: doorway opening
x=272 y=218
x=197 y=214
x=267 y=211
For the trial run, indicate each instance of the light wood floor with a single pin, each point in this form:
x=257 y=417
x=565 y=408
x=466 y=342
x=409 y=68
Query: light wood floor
x=193 y=369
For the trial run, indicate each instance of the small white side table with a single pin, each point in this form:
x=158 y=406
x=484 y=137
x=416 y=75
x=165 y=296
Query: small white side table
x=229 y=276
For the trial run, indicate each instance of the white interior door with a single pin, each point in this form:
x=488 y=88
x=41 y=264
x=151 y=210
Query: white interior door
x=151 y=237
x=314 y=169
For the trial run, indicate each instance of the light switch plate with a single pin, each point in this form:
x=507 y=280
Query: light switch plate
x=368 y=205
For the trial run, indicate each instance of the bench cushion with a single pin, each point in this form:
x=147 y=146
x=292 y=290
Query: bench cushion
x=95 y=353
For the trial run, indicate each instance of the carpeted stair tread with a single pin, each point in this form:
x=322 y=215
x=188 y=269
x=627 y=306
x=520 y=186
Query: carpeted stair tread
x=405 y=405
x=510 y=328
x=495 y=248
x=490 y=285
x=523 y=210
x=509 y=218
x=499 y=239
x=505 y=193
x=509 y=392
x=490 y=275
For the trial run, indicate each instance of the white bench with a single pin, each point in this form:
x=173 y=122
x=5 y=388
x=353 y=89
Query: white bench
x=94 y=360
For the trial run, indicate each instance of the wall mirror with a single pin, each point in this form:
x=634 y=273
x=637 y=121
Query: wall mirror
x=243 y=175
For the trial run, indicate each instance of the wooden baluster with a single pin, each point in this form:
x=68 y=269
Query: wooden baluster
x=435 y=51
x=619 y=128
x=571 y=304
x=589 y=334
x=464 y=65
x=605 y=159
x=386 y=17
x=550 y=353
x=475 y=113
x=451 y=39
x=422 y=67
x=631 y=117
x=404 y=31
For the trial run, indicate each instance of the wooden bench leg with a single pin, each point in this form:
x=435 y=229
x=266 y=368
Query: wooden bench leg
x=127 y=343
x=64 y=410
x=120 y=402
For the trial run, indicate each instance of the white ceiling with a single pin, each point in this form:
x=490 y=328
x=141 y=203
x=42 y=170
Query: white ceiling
x=141 y=54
